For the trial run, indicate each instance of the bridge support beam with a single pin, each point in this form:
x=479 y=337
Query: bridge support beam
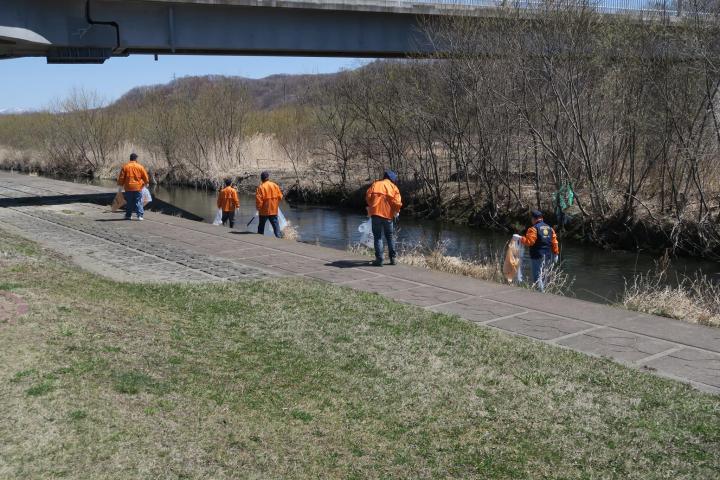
x=90 y=31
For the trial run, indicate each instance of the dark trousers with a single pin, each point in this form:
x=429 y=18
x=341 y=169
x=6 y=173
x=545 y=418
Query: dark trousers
x=229 y=217
x=382 y=226
x=133 y=201
x=273 y=221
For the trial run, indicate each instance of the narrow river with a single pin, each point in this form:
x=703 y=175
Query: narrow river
x=599 y=275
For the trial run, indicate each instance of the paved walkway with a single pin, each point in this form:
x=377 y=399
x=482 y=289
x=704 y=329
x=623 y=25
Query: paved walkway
x=169 y=249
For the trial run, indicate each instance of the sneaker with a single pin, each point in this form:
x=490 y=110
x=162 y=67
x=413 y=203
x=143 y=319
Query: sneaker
x=392 y=261
x=377 y=263
x=140 y=219
x=127 y=218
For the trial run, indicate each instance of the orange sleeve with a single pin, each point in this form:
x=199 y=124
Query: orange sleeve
x=236 y=200
x=259 y=197
x=554 y=244
x=396 y=201
x=530 y=237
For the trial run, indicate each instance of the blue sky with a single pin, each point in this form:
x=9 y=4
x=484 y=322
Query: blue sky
x=29 y=83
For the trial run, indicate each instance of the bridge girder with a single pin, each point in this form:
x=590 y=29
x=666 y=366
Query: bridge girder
x=90 y=31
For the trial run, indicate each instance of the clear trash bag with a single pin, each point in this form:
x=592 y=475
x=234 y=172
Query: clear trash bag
x=218 y=217
x=512 y=266
x=118 y=203
x=366 y=236
x=146 y=197
x=282 y=221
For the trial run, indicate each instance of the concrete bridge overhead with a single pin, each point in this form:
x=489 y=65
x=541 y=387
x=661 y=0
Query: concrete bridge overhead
x=90 y=31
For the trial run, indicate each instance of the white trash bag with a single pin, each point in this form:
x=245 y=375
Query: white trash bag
x=366 y=236
x=218 y=217
x=282 y=221
x=146 y=197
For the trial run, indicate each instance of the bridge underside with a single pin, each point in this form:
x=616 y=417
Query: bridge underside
x=80 y=31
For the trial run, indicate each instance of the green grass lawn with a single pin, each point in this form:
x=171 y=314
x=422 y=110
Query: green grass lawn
x=298 y=379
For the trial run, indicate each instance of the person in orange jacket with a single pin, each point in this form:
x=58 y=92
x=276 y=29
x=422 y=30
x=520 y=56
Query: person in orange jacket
x=267 y=199
x=133 y=178
x=544 y=248
x=383 y=205
x=228 y=202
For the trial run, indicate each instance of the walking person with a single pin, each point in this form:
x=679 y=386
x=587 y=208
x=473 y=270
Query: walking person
x=267 y=199
x=383 y=205
x=544 y=248
x=133 y=177
x=228 y=202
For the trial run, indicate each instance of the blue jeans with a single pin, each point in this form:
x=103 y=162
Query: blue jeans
x=539 y=270
x=382 y=226
x=273 y=221
x=133 y=201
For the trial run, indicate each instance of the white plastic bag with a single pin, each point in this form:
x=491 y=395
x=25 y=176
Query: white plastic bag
x=282 y=222
x=146 y=197
x=366 y=235
x=218 y=217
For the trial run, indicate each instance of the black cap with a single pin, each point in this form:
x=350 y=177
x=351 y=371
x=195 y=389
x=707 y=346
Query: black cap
x=264 y=175
x=536 y=214
x=133 y=156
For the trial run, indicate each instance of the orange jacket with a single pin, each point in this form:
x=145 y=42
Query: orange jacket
x=383 y=199
x=228 y=199
x=267 y=198
x=133 y=177
x=531 y=236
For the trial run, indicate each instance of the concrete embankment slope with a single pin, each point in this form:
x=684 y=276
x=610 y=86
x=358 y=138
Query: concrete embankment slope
x=166 y=249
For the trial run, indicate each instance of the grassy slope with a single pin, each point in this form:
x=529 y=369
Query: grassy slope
x=292 y=379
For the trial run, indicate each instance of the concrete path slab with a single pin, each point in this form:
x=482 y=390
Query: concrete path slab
x=480 y=310
x=170 y=249
x=688 y=363
x=426 y=296
x=610 y=342
x=541 y=326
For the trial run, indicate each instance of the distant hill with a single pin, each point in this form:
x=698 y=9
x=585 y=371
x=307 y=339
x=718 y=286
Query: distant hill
x=14 y=111
x=268 y=93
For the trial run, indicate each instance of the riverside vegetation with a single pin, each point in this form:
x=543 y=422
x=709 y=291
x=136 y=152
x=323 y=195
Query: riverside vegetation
x=298 y=379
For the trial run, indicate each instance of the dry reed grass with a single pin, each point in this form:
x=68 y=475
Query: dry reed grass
x=694 y=299
x=291 y=232
x=435 y=258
